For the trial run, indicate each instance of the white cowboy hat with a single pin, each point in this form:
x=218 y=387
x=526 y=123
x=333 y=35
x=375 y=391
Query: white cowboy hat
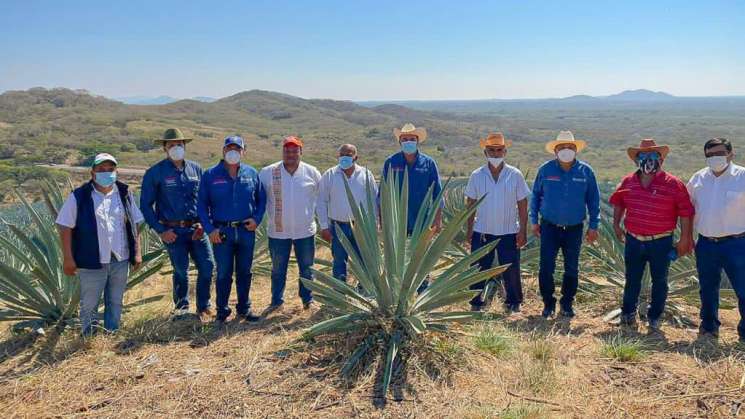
x=410 y=129
x=565 y=137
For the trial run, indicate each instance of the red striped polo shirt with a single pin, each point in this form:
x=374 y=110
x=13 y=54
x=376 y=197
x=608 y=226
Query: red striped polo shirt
x=652 y=210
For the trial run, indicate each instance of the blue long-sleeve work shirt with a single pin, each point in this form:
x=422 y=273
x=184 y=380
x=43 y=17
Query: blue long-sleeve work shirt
x=224 y=199
x=422 y=174
x=169 y=193
x=565 y=197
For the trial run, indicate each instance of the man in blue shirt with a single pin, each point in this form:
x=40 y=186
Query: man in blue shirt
x=422 y=173
x=564 y=192
x=231 y=206
x=169 y=204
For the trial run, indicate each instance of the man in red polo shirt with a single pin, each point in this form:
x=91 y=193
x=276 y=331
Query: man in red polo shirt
x=652 y=200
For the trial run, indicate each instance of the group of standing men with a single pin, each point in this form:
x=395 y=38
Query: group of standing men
x=199 y=214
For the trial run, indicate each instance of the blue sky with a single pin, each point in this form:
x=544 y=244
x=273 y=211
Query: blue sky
x=363 y=50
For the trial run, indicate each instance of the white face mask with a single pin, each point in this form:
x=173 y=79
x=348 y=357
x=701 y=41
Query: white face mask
x=717 y=163
x=233 y=157
x=176 y=153
x=566 y=155
x=495 y=161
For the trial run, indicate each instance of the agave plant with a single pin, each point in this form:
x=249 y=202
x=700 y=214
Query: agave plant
x=390 y=267
x=34 y=291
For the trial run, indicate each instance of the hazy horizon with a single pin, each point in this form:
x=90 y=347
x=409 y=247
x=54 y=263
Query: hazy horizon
x=386 y=50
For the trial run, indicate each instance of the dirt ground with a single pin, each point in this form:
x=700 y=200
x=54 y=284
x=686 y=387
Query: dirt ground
x=160 y=367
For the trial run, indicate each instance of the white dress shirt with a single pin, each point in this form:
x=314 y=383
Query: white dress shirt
x=719 y=201
x=333 y=202
x=291 y=200
x=497 y=214
x=110 y=224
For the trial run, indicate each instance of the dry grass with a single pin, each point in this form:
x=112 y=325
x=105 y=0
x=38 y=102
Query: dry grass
x=156 y=367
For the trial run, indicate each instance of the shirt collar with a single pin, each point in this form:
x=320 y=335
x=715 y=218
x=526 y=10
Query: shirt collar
x=113 y=190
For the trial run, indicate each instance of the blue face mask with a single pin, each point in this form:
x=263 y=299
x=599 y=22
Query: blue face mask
x=105 y=179
x=408 y=147
x=649 y=163
x=345 y=162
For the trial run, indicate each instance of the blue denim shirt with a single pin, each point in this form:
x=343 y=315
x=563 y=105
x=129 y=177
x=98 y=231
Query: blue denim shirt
x=224 y=199
x=172 y=191
x=422 y=174
x=565 y=197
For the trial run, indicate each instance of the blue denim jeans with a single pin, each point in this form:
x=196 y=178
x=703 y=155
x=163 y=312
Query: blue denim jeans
x=637 y=254
x=111 y=280
x=711 y=258
x=305 y=253
x=339 y=254
x=569 y=241
x=201 y=253
x=234 y=256
x=507 y=252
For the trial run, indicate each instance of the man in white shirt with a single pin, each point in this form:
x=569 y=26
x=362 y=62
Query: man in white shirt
x=98 y=229
x=333 y=206
x=503 y=216
x=718 y=193
x=292 y=190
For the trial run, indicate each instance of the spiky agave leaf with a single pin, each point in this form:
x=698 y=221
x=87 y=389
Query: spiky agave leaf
x=390 y=266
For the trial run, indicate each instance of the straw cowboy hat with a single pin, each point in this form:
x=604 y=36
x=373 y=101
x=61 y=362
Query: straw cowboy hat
x=173 y=134
x=410 y=129
x=647 y=144
x=565 y=137
x=495 y=139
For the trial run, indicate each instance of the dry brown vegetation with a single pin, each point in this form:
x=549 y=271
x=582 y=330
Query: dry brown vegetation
x=513 y=367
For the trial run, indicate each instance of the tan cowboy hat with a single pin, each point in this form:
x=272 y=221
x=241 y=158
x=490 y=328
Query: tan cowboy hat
x=647 y=144
x=565 y=137
x=495 y=139
x=173 y=134
x=410 y=129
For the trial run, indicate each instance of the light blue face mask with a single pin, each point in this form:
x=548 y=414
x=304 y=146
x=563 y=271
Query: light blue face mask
x=105 y=179
x=408 y=147
x=345 y=162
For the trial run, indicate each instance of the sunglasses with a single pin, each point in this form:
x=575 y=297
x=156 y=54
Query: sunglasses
x=648 y=155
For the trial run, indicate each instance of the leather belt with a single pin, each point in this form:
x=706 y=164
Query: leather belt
x=230 y=223
x=340 y=222
x=642 y=238
x=723 y=238
x=563 y=227
x=181 y=223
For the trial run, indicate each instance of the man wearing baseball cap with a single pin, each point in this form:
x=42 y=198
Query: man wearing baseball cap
x=168 y=201
x=231 y=205
x=98 y=230
x=292 y=190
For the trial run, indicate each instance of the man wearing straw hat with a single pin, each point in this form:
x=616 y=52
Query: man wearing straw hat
x=503 y=216
x=169 y=204
x=422 y=174
x=718 y=193
x=564 y=193
x=650 y=201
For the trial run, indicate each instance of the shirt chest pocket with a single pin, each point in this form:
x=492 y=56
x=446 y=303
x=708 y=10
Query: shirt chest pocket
x=736 y=199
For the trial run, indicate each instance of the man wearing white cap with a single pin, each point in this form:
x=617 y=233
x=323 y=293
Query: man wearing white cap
x=98 y=229
x=564 y=193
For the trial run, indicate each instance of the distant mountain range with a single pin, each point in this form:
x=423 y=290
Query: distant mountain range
x=160 y=100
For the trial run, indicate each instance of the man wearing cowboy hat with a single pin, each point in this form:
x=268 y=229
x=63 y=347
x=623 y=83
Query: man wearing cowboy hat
x=422 y=174
x=231 y=204
x=503 y=216
x=100 y=240
x=650 y=201
x=169 y=204
x=564 y=192
x=292 y=192
x=718 y=193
